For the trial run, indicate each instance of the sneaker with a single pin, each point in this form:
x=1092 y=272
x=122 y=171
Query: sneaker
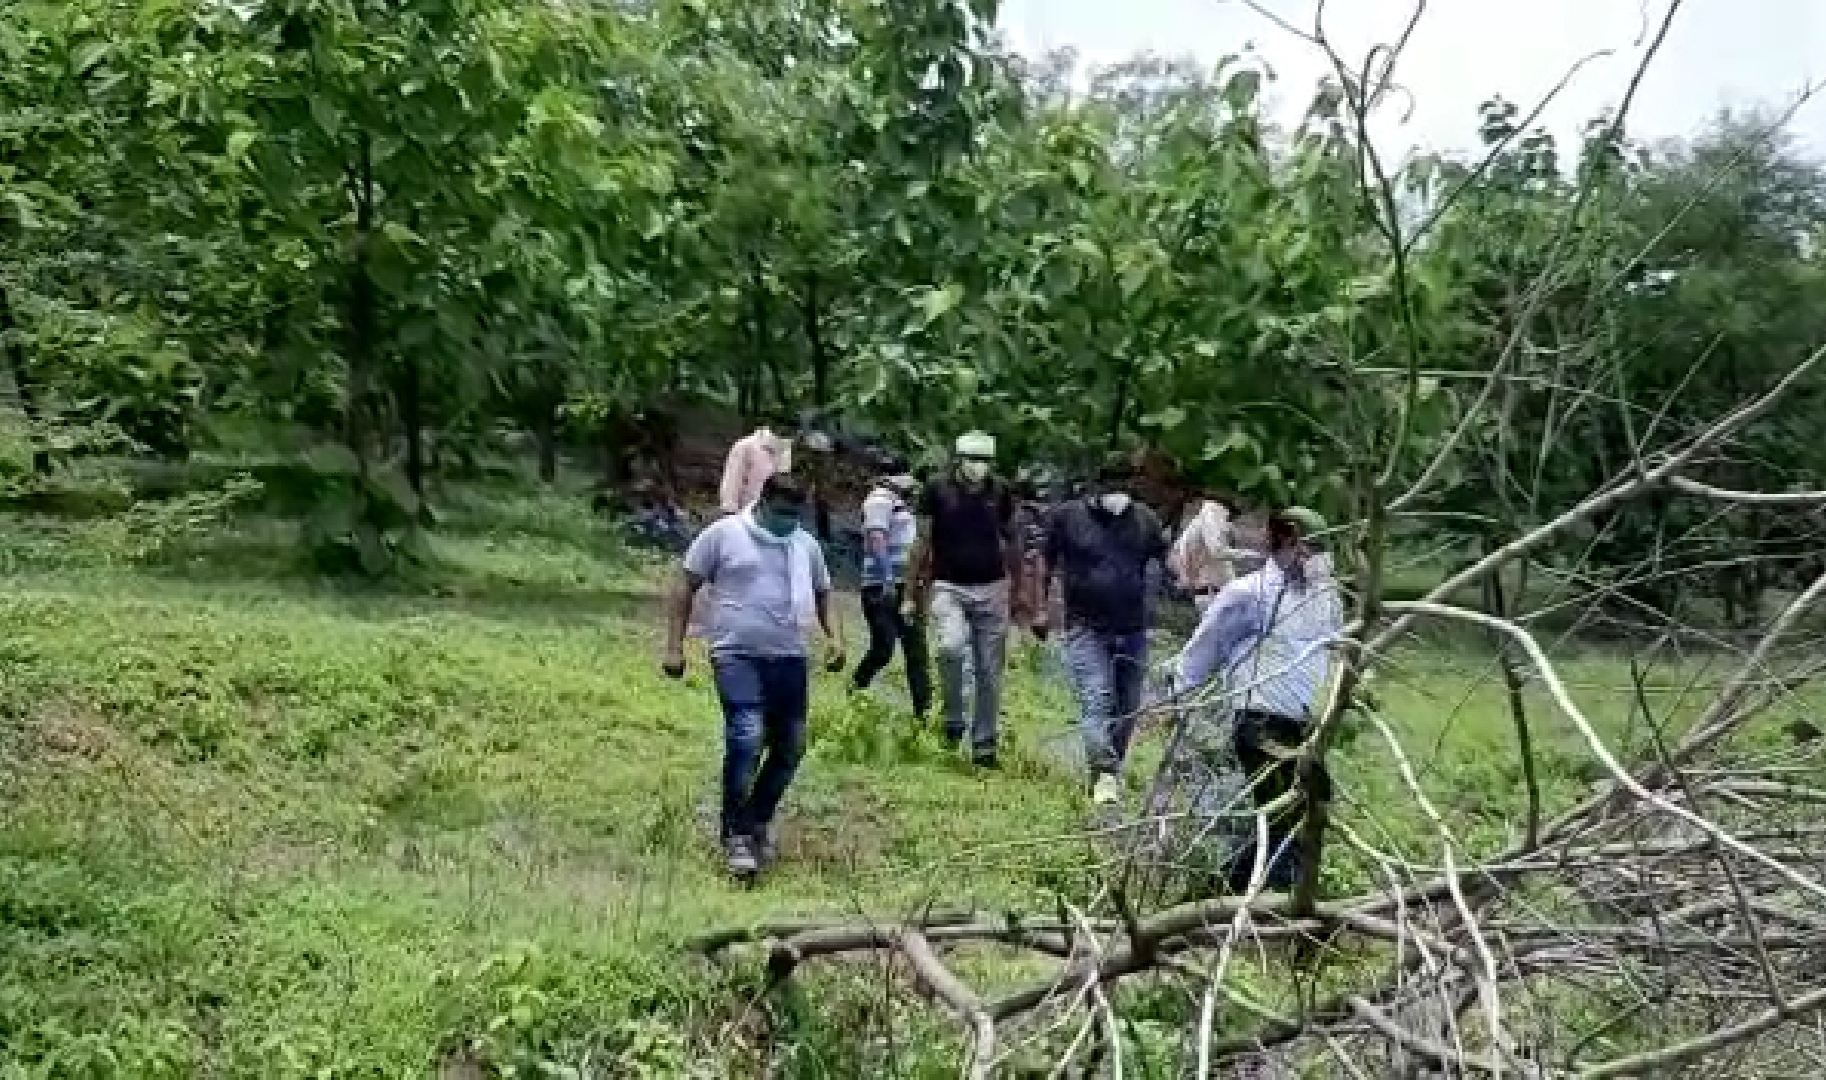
x=985 y=759
x=767 y=849
x=1107 y=791
x=740 y=854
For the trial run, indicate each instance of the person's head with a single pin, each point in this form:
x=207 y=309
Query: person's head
x=975 y=457
x=1293 y=535
x=817 y=441
x=781 y=508
x=1113 y=489
x=903 y=484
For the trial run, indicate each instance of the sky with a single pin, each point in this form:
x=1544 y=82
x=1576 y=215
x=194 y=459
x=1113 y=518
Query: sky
x=1719 y=53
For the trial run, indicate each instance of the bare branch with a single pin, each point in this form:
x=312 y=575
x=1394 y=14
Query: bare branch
x=951 y=990
x=1748 y=498
x=1659 y=1062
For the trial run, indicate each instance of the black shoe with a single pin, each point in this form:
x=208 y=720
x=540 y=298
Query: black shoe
x=954 y=739
x=985 y=759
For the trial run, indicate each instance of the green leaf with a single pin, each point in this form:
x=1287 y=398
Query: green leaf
x=1081 y=172
x=400 y=235
x=327 y=115
x=1241 y=90
x=937 y=302
x=24 y=210
x=240 y=141
x=1134 y=276
x=1166 y=419
x=88 y=56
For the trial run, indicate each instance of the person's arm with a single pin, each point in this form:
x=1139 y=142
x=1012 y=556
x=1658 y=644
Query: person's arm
x=919 y=568
x=830 y=621
x=1177 y=564
x=1050 y=556
x=1013 y=552
x=919 y=562
x=678 y=617
x=1228 y=623
x=877 y=519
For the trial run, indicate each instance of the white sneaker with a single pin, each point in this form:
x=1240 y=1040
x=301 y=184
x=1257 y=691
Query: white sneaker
x=741 y=859
x=1107 y=791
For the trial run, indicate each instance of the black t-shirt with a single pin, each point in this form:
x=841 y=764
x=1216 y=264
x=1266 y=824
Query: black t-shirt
x=1104 y=559
x=970 y=530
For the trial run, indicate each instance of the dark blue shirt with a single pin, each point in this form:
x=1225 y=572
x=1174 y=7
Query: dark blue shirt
x=1103 y=559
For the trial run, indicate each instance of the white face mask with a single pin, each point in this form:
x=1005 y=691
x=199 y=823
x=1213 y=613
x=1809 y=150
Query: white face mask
x=1114 y=502
x=973 y=470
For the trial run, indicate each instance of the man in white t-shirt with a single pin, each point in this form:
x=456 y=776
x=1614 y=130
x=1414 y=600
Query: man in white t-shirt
x=768 y=583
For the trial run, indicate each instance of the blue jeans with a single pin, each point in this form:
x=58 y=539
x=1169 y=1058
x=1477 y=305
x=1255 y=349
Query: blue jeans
x=1107 y=671
x=764 y=703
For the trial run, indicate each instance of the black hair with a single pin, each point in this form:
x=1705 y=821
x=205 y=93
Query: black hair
x=1282 y=531
x=783 y=489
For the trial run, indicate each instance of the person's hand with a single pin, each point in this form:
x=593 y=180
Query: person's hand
x=834 y=658
x=673 y=664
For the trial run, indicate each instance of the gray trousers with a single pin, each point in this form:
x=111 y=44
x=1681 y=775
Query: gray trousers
x=970 y=625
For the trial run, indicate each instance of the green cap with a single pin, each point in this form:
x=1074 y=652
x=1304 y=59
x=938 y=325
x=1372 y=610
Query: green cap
x=1310 y=521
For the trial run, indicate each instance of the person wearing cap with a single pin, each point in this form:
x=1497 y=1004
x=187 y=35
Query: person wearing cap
x=965 y=565
x=816 y=476
x=769 y=583
x=1101 y=546
x=888 y=530
x=1268 y=636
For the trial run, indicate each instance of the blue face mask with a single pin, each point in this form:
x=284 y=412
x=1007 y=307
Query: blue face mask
x=782 y=523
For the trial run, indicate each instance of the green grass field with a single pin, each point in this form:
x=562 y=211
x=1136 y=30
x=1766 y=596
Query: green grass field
x=258 y=825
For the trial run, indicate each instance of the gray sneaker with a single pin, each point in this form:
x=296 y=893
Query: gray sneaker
x=740 y=857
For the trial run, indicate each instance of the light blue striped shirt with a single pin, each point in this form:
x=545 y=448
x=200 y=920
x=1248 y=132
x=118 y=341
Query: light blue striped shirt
x=1267 y=638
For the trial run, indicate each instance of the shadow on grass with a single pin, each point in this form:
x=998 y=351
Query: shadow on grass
x=536 y=576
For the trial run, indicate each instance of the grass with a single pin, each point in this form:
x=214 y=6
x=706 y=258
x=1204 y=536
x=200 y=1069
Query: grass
x=256 y=824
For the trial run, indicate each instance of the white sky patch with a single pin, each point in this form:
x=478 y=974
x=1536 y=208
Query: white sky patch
x=1736 y=53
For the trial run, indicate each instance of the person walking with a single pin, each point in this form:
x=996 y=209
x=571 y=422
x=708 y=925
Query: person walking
x=888 y=531
x=752 y=459
x=1101 y=546
x=1204 y=558
x=1269 y=635
x=965 y=565
x=769 y=583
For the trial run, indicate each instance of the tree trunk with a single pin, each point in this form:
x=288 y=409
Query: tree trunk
x=360 y=319
x=616 y=429
x=1498 y=605
x=413 y=417
x=546 y=431
x=22 y=382
x=763 y=358
x=1119 y=411
x=814 y=336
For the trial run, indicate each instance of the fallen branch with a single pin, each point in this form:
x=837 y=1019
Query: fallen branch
x=951 y=990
